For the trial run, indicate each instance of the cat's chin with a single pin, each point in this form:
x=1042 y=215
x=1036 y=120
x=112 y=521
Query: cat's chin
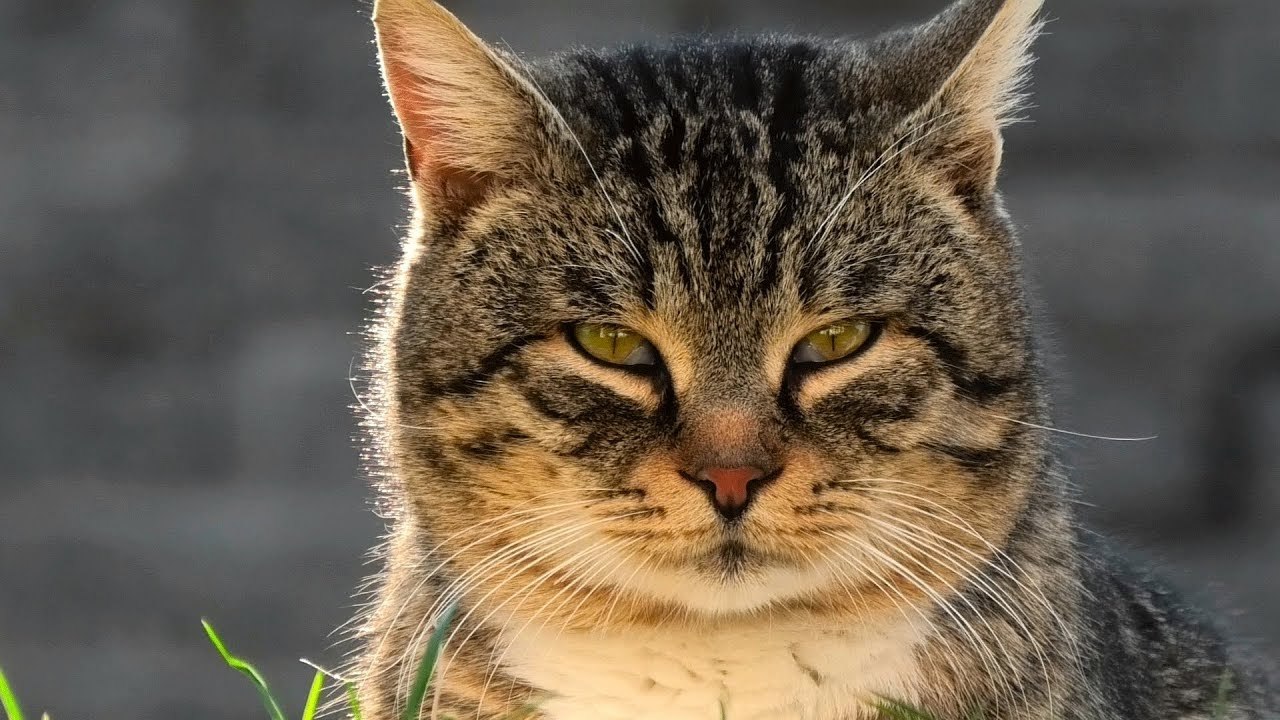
x=715 y=585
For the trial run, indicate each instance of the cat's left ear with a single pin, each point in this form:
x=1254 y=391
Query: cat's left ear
x=470 y=119
x=969 y=69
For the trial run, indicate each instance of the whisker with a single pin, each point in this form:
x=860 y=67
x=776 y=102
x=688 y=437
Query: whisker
x=546 y=550
x=985 y=653
x=1073 y=433
x=902 y=529
x=964 y=526
x=621 y=588
x=890 y=153
x=583 y=580
x=482 y=570
x=540 y=514
x=564 y=124
x=889 y=591
x=351 y=382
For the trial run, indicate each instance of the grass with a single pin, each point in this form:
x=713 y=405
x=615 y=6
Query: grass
x=255 y=677
x=418 y=693
x=8 y=700
x=889 y=709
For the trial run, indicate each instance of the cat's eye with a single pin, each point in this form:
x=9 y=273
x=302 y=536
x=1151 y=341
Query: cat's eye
x=615 y=345
x=833 y=342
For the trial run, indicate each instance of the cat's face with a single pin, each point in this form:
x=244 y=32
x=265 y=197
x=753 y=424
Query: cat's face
x=732 y=325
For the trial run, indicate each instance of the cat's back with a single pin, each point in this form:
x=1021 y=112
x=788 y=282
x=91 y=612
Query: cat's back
x=1158 y=656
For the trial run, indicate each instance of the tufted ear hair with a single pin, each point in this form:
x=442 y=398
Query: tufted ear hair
x=962 y=76
x=469 y=119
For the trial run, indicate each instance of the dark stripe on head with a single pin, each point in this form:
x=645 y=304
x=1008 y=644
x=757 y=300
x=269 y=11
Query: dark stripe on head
x=641 y=65
x=635 y=157
x=789 y=106
x=674 y=71
x=745 y=83
x=589 y=290
x=704 y=187
x=672 y=145
x=663 y=235
x=604 y=71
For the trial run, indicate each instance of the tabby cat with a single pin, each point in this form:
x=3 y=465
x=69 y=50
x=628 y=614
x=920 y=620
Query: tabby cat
x=705 y=385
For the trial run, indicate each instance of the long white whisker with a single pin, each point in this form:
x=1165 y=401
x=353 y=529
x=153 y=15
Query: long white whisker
x=416 y=568
x=890 y=591
x=1000 y=596
x=890 y=153
x=540 y=514
x=965 y=527
x=984 y=651
x=1072 y=433
x=483 y=570
x=564 y=124
x=583 y=580
x=544 y=551
x=902 y=530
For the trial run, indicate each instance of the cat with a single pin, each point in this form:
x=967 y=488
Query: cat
x=705 y=387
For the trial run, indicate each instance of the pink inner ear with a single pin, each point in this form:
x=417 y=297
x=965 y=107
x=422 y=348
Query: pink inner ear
x=411 y=109
x=447 y=184
x=431 y=165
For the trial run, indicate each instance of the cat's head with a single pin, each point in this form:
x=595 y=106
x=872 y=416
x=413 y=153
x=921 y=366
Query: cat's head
x=722 y=324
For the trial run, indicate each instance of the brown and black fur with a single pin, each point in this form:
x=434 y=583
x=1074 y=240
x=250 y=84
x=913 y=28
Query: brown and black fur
x=724 y=197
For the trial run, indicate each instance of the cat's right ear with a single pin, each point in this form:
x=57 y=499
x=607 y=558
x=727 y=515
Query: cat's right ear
x=963 y=73
x=467 y=116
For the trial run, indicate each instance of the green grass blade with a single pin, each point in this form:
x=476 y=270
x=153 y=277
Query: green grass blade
x=235 y=663
x=353 y=697
x=353 y=700
x=1225 y=687
x=427 y=667
x=8 y=700
x=313 y=697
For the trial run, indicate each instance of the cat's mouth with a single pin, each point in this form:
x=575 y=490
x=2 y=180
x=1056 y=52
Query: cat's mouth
x=732 y=557
x=730 y=575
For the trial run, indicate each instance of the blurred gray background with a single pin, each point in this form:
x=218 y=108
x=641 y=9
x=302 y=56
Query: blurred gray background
x=193 y=193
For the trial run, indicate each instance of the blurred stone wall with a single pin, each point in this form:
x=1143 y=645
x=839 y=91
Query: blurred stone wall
x=192 y=195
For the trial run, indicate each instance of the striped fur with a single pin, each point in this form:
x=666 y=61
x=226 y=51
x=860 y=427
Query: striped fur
x=725 y=198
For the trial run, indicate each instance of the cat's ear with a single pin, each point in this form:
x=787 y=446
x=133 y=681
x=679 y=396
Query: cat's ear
x=467 y=116
x=969 y=68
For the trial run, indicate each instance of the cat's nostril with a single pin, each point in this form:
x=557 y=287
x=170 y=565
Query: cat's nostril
x=731 y=487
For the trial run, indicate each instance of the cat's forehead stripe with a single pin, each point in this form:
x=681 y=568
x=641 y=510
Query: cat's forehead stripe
x=649 y=128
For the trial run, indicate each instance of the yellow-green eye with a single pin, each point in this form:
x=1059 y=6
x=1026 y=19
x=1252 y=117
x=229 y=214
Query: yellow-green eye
x=833 y=342
x=615 y=344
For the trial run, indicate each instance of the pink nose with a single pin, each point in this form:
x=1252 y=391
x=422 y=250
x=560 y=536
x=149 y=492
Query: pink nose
x=732 y=485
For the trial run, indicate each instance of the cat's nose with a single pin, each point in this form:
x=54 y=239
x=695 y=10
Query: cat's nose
x=731 y=488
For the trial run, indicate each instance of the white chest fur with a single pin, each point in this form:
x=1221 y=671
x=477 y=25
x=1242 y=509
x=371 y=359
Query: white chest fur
x=779 y=671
